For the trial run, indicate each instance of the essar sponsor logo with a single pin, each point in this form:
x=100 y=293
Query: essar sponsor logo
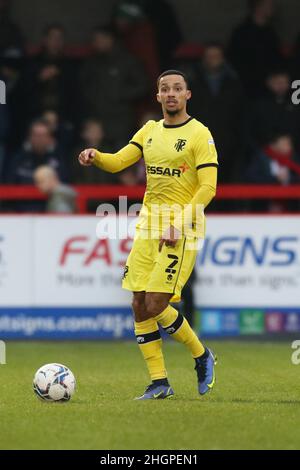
x=158 y=170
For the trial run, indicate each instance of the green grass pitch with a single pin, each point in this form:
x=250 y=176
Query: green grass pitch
x=255 y=404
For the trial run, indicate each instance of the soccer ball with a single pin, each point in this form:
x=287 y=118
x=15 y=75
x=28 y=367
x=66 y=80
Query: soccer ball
x=54 y=382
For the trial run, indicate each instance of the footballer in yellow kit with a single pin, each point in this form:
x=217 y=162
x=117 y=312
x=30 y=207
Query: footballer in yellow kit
x=173 y=155
x=181 y=166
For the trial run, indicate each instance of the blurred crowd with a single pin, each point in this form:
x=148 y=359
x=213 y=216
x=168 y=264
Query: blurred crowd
x=62 y=99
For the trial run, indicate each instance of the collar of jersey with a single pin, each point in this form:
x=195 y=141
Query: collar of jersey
x=172 y=126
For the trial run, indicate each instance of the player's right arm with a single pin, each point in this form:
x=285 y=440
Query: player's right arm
x=111 y=162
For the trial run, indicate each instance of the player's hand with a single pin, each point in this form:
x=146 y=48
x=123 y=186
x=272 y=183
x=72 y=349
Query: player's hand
x=169 y=238
x=86 y=157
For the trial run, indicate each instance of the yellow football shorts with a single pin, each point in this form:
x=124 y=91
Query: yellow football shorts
x=149 y=270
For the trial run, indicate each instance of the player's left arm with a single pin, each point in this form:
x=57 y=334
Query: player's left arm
x=207 y=178
x=206 y=161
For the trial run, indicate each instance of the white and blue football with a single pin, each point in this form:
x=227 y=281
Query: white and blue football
x=54 y=382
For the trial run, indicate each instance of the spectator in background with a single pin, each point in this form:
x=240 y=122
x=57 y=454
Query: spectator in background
x=63 y=130
x=111 y=82
x=61 y=198
x=218 y=103
x=167 y=29
x=50 y=80
x=162 y=34
x=254 y=46
x=11 y=38
x=276 y=163
x=129 y=176
x=39 y=149
x=12 y=118
x=11 y=65
x=137 y=33
x=274 y=112
x=92 y=136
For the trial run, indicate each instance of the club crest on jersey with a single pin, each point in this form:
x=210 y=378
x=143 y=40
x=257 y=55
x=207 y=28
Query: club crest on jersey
x=149 y=142
x=180 y=144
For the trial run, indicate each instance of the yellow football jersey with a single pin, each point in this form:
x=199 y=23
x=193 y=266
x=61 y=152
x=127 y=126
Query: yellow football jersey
x=173 y=155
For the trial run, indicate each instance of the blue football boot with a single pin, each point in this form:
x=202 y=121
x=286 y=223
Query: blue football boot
x=156 y=392
x=205 y=371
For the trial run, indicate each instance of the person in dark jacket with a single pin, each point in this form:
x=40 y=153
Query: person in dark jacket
x=254 y=46
x=11 y=37
x=92 y=135
x=274 y=112
x=39 y=149
x=50 y=80
x=111 y=83
x=11 y=65
x=162 y=13
x=62 y=130
x=218 y=103
x=158 y=13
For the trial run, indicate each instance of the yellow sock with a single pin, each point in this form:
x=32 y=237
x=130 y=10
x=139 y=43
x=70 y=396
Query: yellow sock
x=178 y=327
x=150 y=344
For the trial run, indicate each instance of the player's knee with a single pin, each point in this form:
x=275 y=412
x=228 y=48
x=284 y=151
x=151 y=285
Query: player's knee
x=139 y=309
x=138 y=318
x=155 y=305
x=137 y=305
